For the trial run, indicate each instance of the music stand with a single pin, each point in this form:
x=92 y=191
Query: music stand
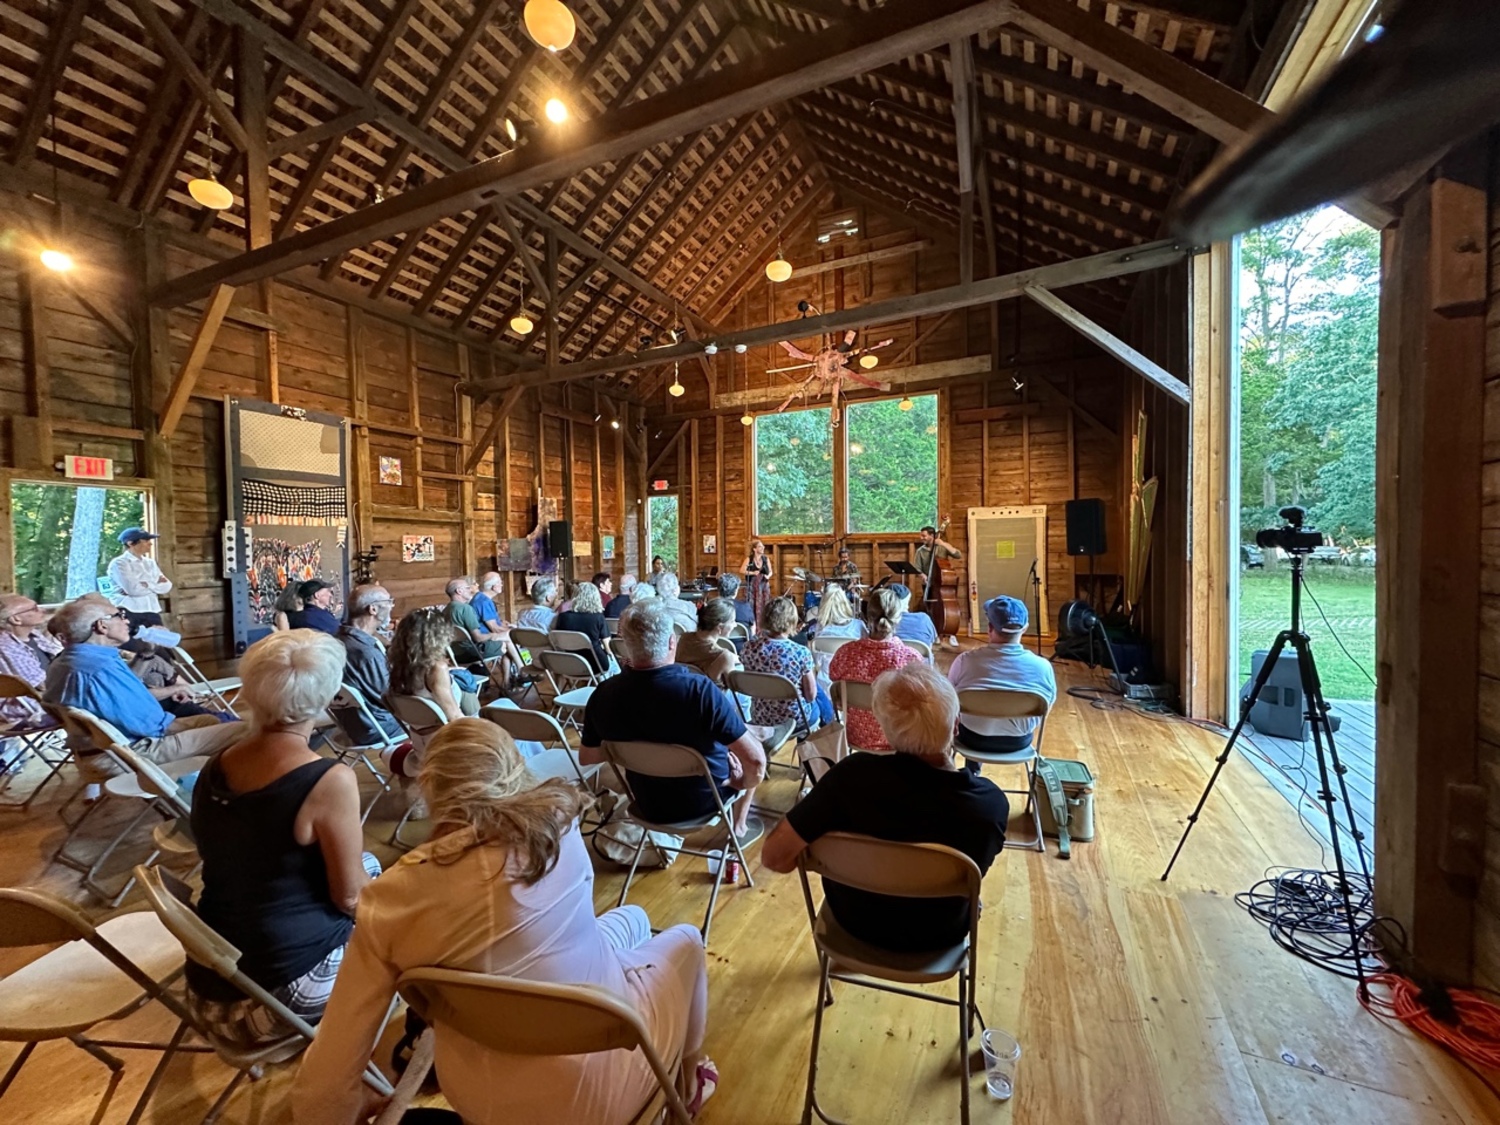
x=903 y=567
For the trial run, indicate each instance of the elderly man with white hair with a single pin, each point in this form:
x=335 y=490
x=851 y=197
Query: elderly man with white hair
x=90 y=674
x=914 y=795
x=616 y=604
x=683 y=612
x=655 y=699
x=542 y=612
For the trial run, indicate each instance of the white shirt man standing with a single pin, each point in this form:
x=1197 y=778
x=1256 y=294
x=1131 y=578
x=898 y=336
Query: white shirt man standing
x=1005 y=665
x=139 y=584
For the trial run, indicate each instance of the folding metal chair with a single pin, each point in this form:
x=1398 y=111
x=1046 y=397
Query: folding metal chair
x=206 y=947
x=739 y=629
x=538 y=726
x=220 y=692
x=900 y=870
x=522 y=1017
x=856 y=695
x=663 y=760
x=572 y=680
x=921 y=648
x=42 y=737
x=770 y=686
x=827 y=646
x=997 y=703
x=351 y=702
x=95 y=975
x=570 y=640
x=422 y=719
x=612 y=626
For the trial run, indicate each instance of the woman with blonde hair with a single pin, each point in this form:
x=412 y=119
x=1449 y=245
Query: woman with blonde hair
x=505 y=887
x=585 y=614
x=420 y=665
x=861 y=661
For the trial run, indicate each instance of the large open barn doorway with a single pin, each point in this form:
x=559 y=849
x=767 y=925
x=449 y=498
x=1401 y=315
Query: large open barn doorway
x=65 y=535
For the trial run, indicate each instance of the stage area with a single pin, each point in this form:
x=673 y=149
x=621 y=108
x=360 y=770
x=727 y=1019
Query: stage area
x=1135 y=1002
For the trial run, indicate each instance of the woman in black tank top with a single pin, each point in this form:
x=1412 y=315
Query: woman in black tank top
x=278 y=828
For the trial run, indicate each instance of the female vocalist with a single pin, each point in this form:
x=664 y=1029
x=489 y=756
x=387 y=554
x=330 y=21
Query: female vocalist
x=757 y=572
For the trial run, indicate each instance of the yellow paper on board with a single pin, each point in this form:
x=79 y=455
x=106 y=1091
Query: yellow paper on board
x=1005 y=549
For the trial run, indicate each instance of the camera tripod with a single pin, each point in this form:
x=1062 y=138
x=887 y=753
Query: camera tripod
x=1329 y=766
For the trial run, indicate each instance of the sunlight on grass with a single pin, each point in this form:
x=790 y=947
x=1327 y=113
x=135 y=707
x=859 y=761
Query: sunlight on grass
x=1347 y=595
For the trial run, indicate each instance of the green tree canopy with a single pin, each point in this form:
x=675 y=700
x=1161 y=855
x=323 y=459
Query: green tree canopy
x=893 y=456
x=794 y=473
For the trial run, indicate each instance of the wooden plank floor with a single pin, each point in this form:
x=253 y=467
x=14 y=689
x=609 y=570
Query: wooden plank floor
x=1292 y=769
x=1135 y=1001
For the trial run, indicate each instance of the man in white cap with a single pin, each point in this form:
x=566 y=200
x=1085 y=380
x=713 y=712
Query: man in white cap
x=1005 y=665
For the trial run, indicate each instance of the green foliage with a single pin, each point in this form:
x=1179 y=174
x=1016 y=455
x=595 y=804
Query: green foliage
x=794 y=473
x=42 y=519
x=892 y=465
x=663 y=524
x=1347 y=595
x=1311 y=292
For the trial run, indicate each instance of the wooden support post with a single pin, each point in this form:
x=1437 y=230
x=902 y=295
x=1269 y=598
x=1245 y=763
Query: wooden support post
x=1111 y=343
x=414 y=407
x=502 y=412
x=202 y=84
x=250 y=99
x=1432 y=492
x=359 y=394
x=32 y=432
x=623 y=498
x=694 y=542
x=151 y=376
x=502 y=482
x=203 y=341
x=597 y=482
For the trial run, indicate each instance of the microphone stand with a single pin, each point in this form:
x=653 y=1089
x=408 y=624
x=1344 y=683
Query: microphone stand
x=1036 y=597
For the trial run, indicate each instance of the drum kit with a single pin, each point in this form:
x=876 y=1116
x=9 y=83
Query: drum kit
x=813 y=585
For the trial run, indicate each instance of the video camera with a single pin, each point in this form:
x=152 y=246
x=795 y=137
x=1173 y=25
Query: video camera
x=1291 y=536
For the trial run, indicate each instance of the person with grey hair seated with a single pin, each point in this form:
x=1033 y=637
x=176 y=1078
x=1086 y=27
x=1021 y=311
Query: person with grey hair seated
x=744 y=612
x=586 y=615
x=279 y=830
x=91 y=674
x=683 y=612
x=616 y=605
x=366 y=668
x=655 y=699
x=474 y=643
x=640 y=592
x=915 y=795
x=541 y=614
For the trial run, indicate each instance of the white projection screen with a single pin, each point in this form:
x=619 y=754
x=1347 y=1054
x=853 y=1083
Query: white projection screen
x=1003 y=542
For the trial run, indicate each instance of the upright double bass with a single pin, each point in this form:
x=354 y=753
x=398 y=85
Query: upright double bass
x=940 y=599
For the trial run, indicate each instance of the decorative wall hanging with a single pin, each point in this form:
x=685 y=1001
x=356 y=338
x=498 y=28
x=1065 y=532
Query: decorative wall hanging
x=274 y=564
x=390 y=470
x=418 y=549
x=710 y=544
x=315 y=506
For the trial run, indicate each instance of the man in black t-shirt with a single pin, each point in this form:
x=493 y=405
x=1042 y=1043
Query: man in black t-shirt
x=654 y=699
x=915 y=795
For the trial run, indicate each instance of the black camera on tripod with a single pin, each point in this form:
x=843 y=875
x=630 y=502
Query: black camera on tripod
x=1291 y=536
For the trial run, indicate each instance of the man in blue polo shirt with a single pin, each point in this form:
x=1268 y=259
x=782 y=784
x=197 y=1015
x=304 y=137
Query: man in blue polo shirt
x=1005 y=665
x=655 y=699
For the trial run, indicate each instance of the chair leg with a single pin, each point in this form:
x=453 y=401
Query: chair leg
x=218 y=1107
x=158 y=1074
x=15 y=1068
x=640 y=846
x=1031 y=804
x=810 y=1105
x=713 y=893
x=116 y=1072
x=61 y=855
x=963 y=1042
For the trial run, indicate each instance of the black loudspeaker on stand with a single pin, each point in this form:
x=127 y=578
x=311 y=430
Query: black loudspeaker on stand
x=559 y=539
x=1085 y=519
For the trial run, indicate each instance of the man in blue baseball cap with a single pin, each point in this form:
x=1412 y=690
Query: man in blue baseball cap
x=139 y=582
x=1002 y=665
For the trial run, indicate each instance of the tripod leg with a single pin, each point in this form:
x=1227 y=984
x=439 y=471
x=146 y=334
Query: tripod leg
x=1283 y=638
x=1322 y=728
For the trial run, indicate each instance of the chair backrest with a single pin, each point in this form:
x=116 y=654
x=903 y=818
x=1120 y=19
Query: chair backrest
x=891 y=867
x=534 y=640
x=657 y=759
x=612 y=625
x=1002 y=703
x=527 y=726
x=762 y=685
x=921 y=647
x=153 y=779
x=523 y=1017
x=679 y=629
x=727 y=645
x=98 y=733
x=829 y=645
x=569 y=665
x=740 y=629
x=350 y=698
x=419 y=715
x=29 y=916
x=853 y=693
x=13 y=687
x=613 y=646
x=569 y=640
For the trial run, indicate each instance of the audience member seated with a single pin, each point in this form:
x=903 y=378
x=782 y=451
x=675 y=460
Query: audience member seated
x=279 y=831
x=640 y=592
x=616 y=605
x=505 y=886
x=605 y=585
x=318 y=597
x=420 y=665
x=700 y=649
x=773 y=650
x=656 y=700
x=1006 y=665
x=836 y=616
x=915 y=795
x=288 y=602
x=879 y=650
x=541 y=613
x=484 y=602
x=91 y=674
x=914 y=625
x=26 y=648
x=658 y=568
x=683 y=612
x=473 y=643
x=744 y=612
x=365 y=666
x=586 y=616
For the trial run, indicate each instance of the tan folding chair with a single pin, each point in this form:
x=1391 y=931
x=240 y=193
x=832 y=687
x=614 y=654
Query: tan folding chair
x=770 y=686
x=612 y=626
x=206 y=947
x=42 y=737
x=828 y=645
x=727 y=645
x=522 y=1017
x=665 y=760
x=921 y=648
x=856 y=695
x=538 y=726
x=996 y=703
x=422 y=718
x=351 y=703
x=219 y=692
x=101 y=973
x=572 y=680
x=901 y=870
x=739 y=629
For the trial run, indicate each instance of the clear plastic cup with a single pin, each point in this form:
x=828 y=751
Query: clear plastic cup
x=1001 y=1054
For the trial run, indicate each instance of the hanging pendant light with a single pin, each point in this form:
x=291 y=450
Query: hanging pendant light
x=550 y=23
x=206 y=190
x=521 y=324
x=869 y=360
x=54 y=259
x=556 y=110
x=906 y=403
x=676 y=390
x=778 y=269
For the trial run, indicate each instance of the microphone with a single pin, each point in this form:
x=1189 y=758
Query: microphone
x=1032 y=573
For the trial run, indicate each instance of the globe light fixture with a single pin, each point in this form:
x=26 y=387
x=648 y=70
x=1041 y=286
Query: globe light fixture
x=556 y=111
x=614 y=423
x=778 y=269
x=906 y=403
x=521 y=324
x=746 y=419
x=56 y=260
x=549 y=23
x=868 y=360
x=676 y=390
x=208 y=192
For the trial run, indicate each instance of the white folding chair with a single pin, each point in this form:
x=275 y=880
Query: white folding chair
x=350 y=707
x=204 y=946
x=769 y=686
x=219 y=692
x=422 y=719
x=921 y=648
x=612 y=625
x=559 y=760
x=570 y=640
x=739 y=629
x=827 y=646
x=855 y=695
x=572 y=679
x=522 y=1017
x=40 y=735
x=900 y=870
x=996 y=703
x=668 y=760
x=95 y=974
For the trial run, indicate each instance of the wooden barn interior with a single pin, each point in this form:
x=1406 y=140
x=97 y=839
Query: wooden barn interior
x=992 y=187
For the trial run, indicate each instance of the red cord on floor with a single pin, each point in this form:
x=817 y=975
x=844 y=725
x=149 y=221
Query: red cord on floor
x=1463 y=1022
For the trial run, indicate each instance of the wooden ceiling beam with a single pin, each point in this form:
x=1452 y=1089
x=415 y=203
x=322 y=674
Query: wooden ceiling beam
x=1178 y=87
x=882 y=36
x=454 y=259
x=163 y=101
x=745 y=276
x=1110 y=344
x=1114 y=263
x=523 y=251
x=164 y=167
x=770 y=183
x=316 y=134
x=39 y=99
x=178 y=57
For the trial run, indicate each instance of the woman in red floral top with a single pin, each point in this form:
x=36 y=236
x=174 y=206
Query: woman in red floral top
x=862 y=660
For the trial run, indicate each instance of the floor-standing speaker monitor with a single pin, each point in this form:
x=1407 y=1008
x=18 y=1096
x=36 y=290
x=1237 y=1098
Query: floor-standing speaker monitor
x=1085 y=527
x=559 y=539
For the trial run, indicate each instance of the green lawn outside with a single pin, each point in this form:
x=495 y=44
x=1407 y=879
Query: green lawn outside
x=1347 y=595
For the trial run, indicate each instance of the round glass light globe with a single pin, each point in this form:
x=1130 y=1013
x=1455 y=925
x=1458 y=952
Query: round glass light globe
x=550 y=23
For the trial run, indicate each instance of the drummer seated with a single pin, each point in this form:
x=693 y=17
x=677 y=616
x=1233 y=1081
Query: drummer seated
x=914 y=625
